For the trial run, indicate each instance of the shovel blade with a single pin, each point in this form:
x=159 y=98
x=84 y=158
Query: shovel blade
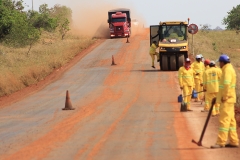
x=198 y=143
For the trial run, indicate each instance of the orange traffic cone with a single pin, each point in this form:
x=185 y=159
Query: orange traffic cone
x=113 y=63
x=127 y=40
x=68 y=104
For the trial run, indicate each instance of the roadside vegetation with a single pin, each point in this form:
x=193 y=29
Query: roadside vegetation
x=34 y=43
x=213 y=43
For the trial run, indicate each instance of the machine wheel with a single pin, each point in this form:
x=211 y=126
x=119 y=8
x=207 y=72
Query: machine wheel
x=173 y=65
x=180 y=61
x=164 y=62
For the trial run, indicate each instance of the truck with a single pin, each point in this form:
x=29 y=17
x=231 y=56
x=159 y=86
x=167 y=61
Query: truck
x=119 y=21
x=172 y=40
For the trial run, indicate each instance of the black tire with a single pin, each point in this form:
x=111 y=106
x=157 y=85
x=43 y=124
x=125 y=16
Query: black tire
x=180 y=61
x=173 y=65
x=164 y=61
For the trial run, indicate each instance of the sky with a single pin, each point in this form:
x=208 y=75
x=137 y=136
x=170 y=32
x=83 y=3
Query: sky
x=153 y=11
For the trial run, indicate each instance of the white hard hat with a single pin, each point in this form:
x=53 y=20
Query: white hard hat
x=201 y=55
x=188 y=60
x=198 y=56
x=212 y=63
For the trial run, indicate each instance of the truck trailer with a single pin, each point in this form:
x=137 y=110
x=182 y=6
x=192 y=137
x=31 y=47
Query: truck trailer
x=119 y=23
x=173 y=43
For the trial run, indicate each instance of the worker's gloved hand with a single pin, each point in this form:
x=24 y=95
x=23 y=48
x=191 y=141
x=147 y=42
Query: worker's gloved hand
x=204 y=90
x=181 y=88
x=197 y=73
x=201 y=84
x=223 y=100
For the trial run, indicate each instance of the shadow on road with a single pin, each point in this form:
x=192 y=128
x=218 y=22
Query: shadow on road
x=146 y=70
x=203 y=147
x=152 y=70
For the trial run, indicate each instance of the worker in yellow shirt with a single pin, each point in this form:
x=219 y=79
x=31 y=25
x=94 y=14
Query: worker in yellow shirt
x=206 y=66
x=153 y=52
x=211 y=79
x=227 y=98
x=186 y=81
x=198 y=68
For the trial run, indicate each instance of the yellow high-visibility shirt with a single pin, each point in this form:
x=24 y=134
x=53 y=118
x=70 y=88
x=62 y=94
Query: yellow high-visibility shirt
x=207 y=67
x=185 y=77
x=211 y=78
x=198 y=67
x=153 y=49
x=227 y=85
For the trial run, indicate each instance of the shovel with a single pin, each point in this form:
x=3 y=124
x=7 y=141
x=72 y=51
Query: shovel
x=199 y=143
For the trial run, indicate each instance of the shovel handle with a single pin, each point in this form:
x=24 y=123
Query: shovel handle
x=207 y=120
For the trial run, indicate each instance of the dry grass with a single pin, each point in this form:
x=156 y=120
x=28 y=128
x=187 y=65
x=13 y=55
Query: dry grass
x=19 y=70
x=212 y=44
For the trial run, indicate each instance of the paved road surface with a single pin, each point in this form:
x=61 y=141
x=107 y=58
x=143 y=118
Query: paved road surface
x=127 y=111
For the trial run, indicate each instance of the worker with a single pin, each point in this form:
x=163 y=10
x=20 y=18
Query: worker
x=153 y=52
x=198 y=68
x=227 y=98
x=206 y=64
x=202 y=58
x=211 y=79
x=186 y=81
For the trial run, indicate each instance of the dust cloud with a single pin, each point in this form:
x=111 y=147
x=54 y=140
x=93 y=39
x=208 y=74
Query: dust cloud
x=90 y=17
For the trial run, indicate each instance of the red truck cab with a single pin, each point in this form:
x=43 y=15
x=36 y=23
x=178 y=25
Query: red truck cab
x=119 y=23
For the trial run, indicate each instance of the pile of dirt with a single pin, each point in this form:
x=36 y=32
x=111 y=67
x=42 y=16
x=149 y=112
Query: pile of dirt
x=237 y=115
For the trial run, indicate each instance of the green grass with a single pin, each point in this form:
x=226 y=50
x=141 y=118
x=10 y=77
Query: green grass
x=213 y=43
x=19 y=70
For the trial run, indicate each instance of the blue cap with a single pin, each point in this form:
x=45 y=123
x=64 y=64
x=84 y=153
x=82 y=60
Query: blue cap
x=224 y=58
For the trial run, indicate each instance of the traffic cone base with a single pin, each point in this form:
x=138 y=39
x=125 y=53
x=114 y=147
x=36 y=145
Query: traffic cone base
x=68 y=104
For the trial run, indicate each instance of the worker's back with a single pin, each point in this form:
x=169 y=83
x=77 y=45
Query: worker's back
x=227 y=84
x=211 y=79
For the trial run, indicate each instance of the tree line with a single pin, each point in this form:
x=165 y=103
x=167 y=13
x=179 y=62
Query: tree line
x=19 y=28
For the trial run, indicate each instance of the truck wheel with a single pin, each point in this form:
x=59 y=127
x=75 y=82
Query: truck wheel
x=164 y=61
x=173 y=65
x=180 y=61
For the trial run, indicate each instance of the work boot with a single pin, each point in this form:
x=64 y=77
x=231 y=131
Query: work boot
x=204 y=110
x=216 y=146
x=231 y=146
x=158 y=60
x=153 y=66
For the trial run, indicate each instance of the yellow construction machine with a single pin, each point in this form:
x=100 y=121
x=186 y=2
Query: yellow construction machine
x=173 y=43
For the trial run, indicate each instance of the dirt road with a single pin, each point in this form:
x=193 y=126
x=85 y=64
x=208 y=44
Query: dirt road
x=127 y=111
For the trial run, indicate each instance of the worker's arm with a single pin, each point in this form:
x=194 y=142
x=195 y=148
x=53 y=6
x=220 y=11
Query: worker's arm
x=205 y=81
x=227 y=78
x=180 y=77
x=193 y=80
x=219 y=74
x=192 y=66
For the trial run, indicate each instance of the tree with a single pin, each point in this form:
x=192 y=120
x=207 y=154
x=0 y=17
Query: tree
x=22 y=33
x=43 y=19
x=9 y=11
x=64 y=28
x=205 y=27
x=63 y=15
x=232 y=20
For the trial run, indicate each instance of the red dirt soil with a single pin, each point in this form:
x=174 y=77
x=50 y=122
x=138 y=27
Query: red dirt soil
x=237 y=115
